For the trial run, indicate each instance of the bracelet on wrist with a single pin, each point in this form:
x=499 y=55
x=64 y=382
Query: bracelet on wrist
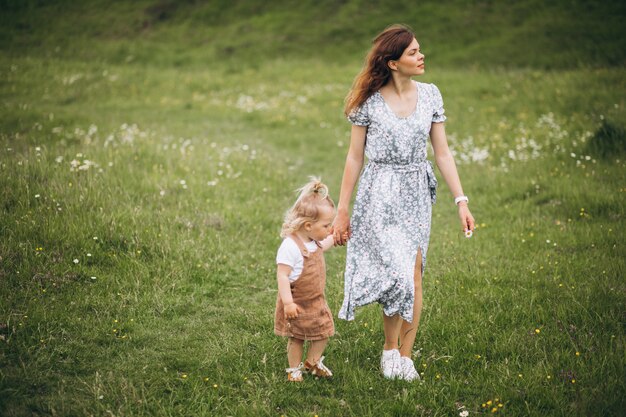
x=460 y=199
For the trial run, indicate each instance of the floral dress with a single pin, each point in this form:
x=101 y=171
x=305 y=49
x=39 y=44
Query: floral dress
x=391 y=217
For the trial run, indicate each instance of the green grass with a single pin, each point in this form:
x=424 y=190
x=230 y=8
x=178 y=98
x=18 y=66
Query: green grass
x=245 y=34
x=175 y=221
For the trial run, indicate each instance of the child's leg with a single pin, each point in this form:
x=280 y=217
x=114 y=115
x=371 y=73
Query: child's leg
x=314 y=363
x=316 y=348
x=295 y=348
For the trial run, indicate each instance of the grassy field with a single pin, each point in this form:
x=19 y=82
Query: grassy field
x=143 y=181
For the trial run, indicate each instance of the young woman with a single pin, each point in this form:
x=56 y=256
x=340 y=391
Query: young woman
x=388 y=234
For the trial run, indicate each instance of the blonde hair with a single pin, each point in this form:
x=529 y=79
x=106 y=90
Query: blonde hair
x=312 y=196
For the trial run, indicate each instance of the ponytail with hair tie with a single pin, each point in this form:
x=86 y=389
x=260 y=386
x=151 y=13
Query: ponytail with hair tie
x=314 y=187
x=306 y=208
x=320 y=189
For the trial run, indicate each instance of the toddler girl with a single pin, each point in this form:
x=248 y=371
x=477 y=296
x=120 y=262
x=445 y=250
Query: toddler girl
x=301 y=309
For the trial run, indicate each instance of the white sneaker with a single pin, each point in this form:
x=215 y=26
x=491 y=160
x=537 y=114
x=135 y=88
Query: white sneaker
x=407 y=370
x=390 y=364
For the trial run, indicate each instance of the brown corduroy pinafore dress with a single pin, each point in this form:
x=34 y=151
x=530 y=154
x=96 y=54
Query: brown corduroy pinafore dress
x=314 y=321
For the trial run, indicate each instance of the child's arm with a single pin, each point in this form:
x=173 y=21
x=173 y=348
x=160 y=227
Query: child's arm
x=284 y=290
x=328 y=243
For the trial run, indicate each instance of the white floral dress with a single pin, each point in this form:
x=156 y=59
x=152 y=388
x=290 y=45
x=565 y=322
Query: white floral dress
x=391 y=217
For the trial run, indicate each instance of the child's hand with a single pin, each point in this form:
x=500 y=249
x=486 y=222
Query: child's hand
x=291 y=311
x=341 y=229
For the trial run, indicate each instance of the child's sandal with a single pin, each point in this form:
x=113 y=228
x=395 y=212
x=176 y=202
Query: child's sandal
x=318 y=369
x=294 y=374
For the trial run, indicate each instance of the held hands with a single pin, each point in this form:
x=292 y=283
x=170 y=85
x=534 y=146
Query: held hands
x=341 y=228
x=291 y=311
x=467 y=220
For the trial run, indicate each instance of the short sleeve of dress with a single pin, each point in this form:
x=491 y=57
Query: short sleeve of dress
x=437 y=100
x=360 y=115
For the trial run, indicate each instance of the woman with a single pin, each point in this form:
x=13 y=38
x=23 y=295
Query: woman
x=388 y=234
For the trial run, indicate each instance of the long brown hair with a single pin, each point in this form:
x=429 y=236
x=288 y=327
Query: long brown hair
x=387 y=46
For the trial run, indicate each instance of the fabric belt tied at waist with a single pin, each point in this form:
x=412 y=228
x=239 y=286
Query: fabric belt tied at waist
x=415 y=166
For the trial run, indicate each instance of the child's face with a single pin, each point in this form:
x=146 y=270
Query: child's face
x=320 y=229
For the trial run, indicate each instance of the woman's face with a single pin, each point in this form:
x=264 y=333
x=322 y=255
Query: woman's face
x=412 y=60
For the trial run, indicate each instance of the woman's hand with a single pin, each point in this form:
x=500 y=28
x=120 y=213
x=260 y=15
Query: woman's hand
x=467 y=220
x=341 y=228
x=291 y=311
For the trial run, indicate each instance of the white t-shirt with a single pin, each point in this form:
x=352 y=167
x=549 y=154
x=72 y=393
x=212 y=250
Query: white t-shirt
x=289 y=254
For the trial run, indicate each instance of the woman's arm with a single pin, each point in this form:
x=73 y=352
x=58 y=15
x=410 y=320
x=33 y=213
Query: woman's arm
x=284 y=290
x=445 y=163
x=354 y=164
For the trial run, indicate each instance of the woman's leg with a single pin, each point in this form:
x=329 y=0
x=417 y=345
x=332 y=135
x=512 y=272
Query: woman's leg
x=408 y=331
x=391 y=327
x=390 y=359
x=295 y=348
x=316 y=348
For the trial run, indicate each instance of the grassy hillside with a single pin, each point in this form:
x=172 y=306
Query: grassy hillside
x=533 y=33
x=147 y=153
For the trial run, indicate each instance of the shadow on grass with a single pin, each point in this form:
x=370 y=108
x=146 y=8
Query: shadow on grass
x=608 y=141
